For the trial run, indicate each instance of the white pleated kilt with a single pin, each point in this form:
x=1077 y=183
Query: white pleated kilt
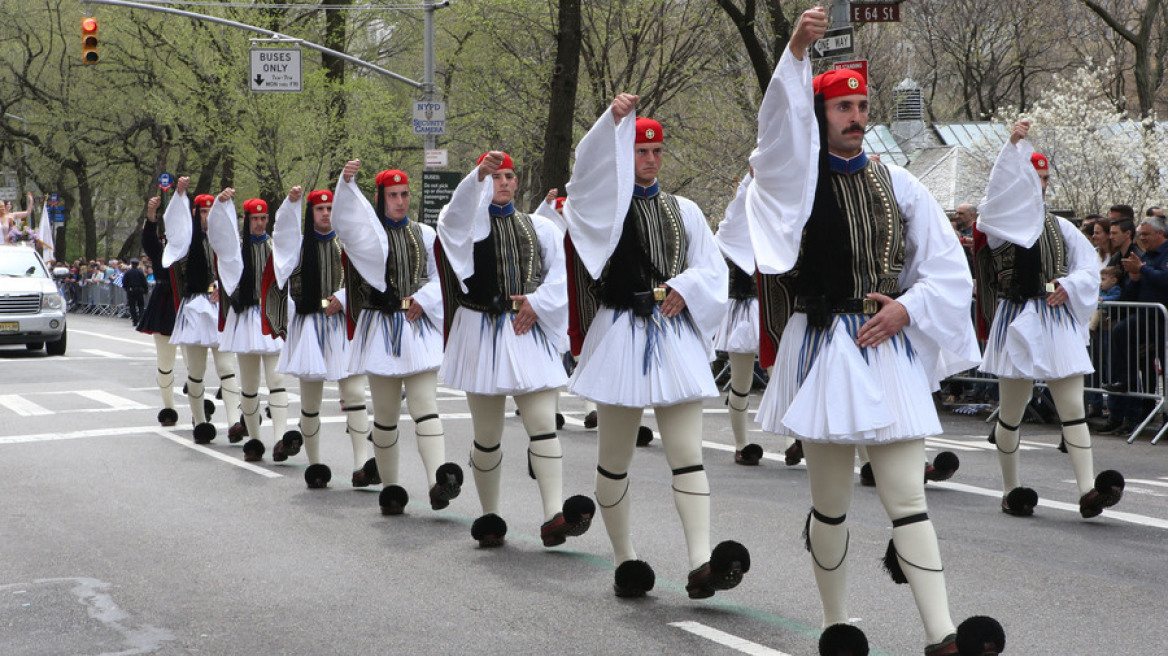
x=1035 y=341
x=244 y=333
x=389 y=345
x=642 y=362
x=824 y=388
x=485 y=356
x=316 y=348
x=196 y=323
x=739 y=331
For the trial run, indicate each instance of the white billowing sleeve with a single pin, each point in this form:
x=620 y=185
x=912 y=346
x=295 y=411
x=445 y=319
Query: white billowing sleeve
x=1012 y=210
x=465 y=220
x=938 y=289
x=286 y=238
x=548 y=211
x=733 y=235
x=179 y=229
x=601 y=189
x=705 y=282
x=223 y=233
x=785 y=163
x=550 y=299
x=430 y=295
x=1082 y=280
x=360 y=232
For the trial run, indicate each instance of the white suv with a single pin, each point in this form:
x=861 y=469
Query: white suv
x=32 y=310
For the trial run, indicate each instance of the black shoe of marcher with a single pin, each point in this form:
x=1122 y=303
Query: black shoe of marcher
x=559 y=421
x=367 y=475
x=1020 y=502
x=794 y=454
x=644 y=436
x=728 y=562
x=449 y=486
x=1107 y=492
x=590 y=420
x=237 y=432
x=750 y=455
x=867 y=478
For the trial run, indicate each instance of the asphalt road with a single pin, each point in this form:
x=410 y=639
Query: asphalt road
x=120 y=537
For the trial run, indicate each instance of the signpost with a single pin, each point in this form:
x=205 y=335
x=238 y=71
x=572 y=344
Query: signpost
x=875 y=12
x=436 y=159
x=858 y=65
x=274 y=69
x=437 y=188
x=429 y=117
x=56 y=209
x=835 y=43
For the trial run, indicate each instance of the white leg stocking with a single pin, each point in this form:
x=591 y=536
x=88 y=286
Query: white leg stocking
x=899 y=468
x=386 y=393
x=249 y=392
x=741 y=377
x=195 y=358
x=486 y=457
x=1068 y=400
x=311 y=392
x=352 y=391
x=277 y=395
x=225 y=369
x=1015 y=395
x=681 y=437
x=616 y=439
x=538 y=411
x=422 y=398
x=164 y=353
x=829 y=470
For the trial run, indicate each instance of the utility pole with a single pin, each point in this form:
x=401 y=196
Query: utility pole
x=431 y=140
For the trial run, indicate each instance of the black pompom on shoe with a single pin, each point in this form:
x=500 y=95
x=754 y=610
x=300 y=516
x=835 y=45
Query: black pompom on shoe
x=490 y=530
x=1020 y=502
x=633 y=579
x=167 y=417
x=318 y=476
x=644 y=436
x=749 y=456
x=728 y=562
x=944 y=466
x=980 y=636
x=204 y=433
x=559 y=421
x=448 y=487
x=573 y=521
x=867 y=478
x=1108 y=491
x=590 y=421
x=288 y=446
x=253 y=450
x=393 y=500
x=843 y=640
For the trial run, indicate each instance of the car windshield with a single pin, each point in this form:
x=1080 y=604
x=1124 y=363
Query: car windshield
x=20 y=262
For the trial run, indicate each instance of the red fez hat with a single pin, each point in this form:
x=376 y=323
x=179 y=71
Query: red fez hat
x=204 y=200
x=1039 y=161
x=560 y=202
x=649 y=131
x=255 y=206
x=507 y=163
x=392 y=177
x=320 y=196
x=840 y=82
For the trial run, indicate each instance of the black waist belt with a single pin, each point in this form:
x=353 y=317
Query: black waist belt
x=1016 y=295
x=500 y=304
x=842 y=306
x=642 y=303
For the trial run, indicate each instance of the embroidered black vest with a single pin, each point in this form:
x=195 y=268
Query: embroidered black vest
x=405 y=272
x=259 y=252
x=652 y=250
x=331 y=275
x=506 y=263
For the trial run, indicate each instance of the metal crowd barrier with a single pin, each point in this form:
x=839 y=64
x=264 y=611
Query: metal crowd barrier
x=1144 y=359
x=101 y=299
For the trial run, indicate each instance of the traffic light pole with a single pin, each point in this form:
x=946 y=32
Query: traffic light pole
x=430 y=5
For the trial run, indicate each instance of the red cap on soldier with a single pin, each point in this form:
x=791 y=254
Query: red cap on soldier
x=1039 y=161
x=649 y=131
x=507 y=163
x=204 y=200
x=255 y=206
x=392 y=177
x=320 y=196
x=839 y=82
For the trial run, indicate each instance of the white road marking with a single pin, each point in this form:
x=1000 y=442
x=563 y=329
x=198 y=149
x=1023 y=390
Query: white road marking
x=1118 y=515
x=741 y=645
x=114 y=401
x=105 y=338
x=22 y=406
x=215 y=454
x=103 y=354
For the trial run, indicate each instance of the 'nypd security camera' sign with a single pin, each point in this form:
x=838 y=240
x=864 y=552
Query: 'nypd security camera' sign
x=429 y=117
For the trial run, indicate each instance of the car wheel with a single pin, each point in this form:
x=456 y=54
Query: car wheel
x=57 y=347
x=35 y=346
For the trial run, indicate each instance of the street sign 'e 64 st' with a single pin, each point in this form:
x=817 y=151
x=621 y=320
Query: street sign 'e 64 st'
x=875 y=12
x=274 y=69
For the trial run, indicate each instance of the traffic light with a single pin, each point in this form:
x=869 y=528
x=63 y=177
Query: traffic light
x=89 y=40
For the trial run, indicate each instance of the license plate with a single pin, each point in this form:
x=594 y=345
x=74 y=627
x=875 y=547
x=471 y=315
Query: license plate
x=9 y=326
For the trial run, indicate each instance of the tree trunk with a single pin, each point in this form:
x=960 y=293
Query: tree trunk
x=334 y=38
x=562 y=108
